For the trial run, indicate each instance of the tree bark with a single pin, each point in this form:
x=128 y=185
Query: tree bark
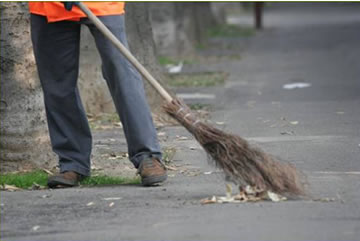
x=141 y=43
x=202 y=19
x=94 y=91
x=24 y=137
x=168 y=21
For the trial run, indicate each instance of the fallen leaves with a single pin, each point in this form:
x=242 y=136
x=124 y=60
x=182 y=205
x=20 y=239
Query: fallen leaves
x=112 y=198
x=35 y=228
x=290 y=133
x=90 y=204
x=247 y=195
x=324 y=199
x=9 y=188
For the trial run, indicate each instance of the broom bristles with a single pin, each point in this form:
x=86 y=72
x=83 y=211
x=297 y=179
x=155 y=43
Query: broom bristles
x=242 y=163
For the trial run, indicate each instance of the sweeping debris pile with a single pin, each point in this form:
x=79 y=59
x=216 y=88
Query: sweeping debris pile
x=249 y=194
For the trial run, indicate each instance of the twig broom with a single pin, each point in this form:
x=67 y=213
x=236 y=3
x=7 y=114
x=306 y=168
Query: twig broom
x=242 y=163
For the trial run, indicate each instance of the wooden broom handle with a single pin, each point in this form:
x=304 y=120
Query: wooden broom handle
x=102 y=28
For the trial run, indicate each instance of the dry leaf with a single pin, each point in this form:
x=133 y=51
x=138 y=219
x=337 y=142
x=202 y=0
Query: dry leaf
x=118 y=124
x=35 y=228
x=208 y=201
x=294 y=122
x=182 y=138
x=170 y=168
x=10 y=188
x=275 y=197
x=112 y=198
x=161 y=134
x=324 y=199
x=36 y=186
x=47 y=171
x=220 y=123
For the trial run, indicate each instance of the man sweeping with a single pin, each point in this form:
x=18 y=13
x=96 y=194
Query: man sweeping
x=55 y=32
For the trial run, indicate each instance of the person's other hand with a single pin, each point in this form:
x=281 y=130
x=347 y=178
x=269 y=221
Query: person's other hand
x=68 y=5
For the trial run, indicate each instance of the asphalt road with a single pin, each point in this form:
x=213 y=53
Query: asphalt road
x=317 y=128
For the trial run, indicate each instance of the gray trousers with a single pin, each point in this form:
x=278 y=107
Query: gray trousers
x=56 y=48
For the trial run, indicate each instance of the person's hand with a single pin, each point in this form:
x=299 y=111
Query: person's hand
x=68 y=5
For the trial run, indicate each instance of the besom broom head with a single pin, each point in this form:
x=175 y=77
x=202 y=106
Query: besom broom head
x=242 y=163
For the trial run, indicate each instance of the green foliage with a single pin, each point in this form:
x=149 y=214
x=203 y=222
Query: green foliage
x=107 y=180
x=230 y=30
x=28 y=179
x=197 y=79
x=165 y=60
x=24 y=180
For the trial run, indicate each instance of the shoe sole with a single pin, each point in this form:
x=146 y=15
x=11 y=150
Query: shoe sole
x=152 y=181
x=54 y=182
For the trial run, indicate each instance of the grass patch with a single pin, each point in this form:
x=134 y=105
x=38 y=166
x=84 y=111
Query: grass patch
x=103 y=180
x=230 y=30
x=197 y=80
x=24 y=180
x=165 y=60
x=28 y=179
x=168 y=154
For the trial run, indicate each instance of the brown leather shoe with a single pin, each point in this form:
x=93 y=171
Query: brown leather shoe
x=66 y=179
x=152 y=172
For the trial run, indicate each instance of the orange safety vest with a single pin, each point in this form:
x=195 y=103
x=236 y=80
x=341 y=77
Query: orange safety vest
x=55 y=11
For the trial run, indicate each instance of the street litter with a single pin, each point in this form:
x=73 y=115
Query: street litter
x=296 y=85
x=207 y=173
x=174 y=69
x=111 y=204
x=249 y=194
x=181 y=138
x=36 y=186
x=294 y=122
x=10 y=188
x=90 y=204
x=170 y=168
x=161 y=134
x=324 y=199
x=35 y=228
x=112 y=198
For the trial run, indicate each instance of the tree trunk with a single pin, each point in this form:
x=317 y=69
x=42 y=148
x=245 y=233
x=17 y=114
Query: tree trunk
x=201 y=20
x=168 y=22
x=140 y=38
x=24 y=137
x=219 y=12
x=94 y=91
